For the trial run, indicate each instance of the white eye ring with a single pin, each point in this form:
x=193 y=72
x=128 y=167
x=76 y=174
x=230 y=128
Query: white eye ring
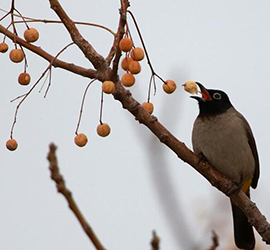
x=217 y=96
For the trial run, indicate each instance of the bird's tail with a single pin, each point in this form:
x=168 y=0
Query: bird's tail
x=243 y=232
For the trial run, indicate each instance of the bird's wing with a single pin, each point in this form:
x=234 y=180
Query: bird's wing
x=253 y=147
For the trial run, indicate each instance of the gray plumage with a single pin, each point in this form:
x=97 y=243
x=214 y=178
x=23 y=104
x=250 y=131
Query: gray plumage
x=225 y=134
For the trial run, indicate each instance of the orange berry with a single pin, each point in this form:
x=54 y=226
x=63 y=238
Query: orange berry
x=128 y=79
x=24 y=79
x=31 y=35
x=125 y=63
x=169 y=87
x=11 y=144
x=125 y=44
x=134 y=67
x=3 y=47
x=108 y=87
x=103 y=129
x=16 y=55
x=191 y=87
x=149 y=107
x=80 y=140
x=137 y=54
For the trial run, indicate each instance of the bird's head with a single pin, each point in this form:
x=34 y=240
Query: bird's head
x=212 y=101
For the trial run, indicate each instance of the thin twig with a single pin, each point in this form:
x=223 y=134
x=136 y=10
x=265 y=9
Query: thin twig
x=61 y=188
x=90 y=53
x=22 y=100
x=33 y=20
x=215 y=241
x=153 y=73
x=24 y=96
x=90 y=73
x=115 y=51
x=155 y=241
x=82 y=105
x=101 y=107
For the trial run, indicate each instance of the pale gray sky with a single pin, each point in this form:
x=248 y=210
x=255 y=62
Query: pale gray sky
x=129 y=184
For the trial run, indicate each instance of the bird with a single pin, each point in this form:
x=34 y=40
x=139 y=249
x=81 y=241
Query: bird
x=223 y=137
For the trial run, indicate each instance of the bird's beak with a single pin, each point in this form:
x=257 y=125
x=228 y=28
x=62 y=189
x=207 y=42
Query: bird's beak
x=205 y=94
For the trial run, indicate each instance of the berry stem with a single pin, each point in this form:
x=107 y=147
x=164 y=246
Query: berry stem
x=101 y=107
x=24 y=96
x=82 y=106
x=34 y=20
x=147 y=57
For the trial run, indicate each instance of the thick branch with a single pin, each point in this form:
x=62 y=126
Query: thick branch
x=90 y=73
x=61 y=188
x=96 y=59
x=212 y=175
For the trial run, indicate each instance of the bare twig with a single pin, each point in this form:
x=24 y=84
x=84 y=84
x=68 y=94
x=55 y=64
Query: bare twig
x=155 y=241
x=90 y=73
x=37 y=20
x=82 y=105
x=24 y=96
x=90 y=53
x=101 y=107
x=61 y=188
x=153 y=72
x=215 y=243
x=119 y=34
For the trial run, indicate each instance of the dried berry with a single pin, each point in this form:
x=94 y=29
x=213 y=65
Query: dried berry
x=16 y=55
x=191 y=87
x=169 y=87
x=125 y=44
x=149 y=107
x=125 y=63
x=134 y=67
x=24 y=79
x=128 y=79
x=11 y=144
x=80 y=140
x=108 y=87
x=3 y=47
x=137 y=54
x=31 y=35
x=103 y=129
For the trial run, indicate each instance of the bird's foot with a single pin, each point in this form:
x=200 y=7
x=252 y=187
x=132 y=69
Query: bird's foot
x=234 y=189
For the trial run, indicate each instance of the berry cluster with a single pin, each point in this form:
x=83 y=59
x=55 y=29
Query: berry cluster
x=103 y=129
x=17 y=55
x=131 y=64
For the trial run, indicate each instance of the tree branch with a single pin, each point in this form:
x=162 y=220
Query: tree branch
x=90 y=73
x=96 y=59
x=61 y=188
x=211 y=174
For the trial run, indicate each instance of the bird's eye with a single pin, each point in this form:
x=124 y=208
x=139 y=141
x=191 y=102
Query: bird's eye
x=217 y=96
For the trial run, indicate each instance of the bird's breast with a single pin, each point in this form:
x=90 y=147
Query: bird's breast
x=223 y=141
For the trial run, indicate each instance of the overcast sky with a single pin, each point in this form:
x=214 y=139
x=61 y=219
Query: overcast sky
x=128 y=184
